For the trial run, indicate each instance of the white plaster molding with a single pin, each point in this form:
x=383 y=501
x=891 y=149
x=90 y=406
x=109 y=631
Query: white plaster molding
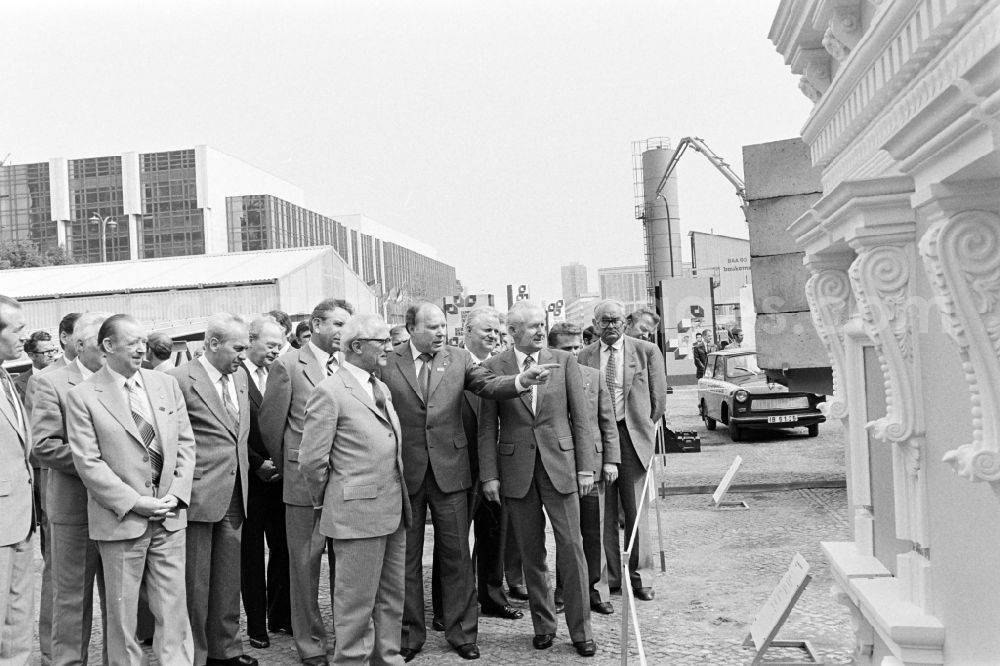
x=846 y=23
x=962 y=258
x=864 y=633
x=830 y=299
x=836 y=48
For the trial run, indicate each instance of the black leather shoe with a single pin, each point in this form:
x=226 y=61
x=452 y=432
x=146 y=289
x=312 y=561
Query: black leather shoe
x=615 y=590
x=585 y=648
x=519 y=592
x=643 y=593
x=407 y=654
x=560 y=607
x=281 y=629
x=259 y=642
x=437 y=624
x=603 y=607
x=468 y=651
x=321 y=660
x=503 y=612
x=242 y=660
x=543 y=641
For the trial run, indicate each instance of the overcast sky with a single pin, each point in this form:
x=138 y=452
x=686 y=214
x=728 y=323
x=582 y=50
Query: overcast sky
x=498 y=132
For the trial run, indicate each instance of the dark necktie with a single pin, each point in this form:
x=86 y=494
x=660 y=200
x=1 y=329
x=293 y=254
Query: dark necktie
x=227 y=400
x=611 y=375
x=379 y=397
x=143 y=421
x=424 y=376
x=528 y=362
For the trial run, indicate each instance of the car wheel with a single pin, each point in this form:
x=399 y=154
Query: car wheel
x=734 y=431
x=814 y=430
x=709 y=421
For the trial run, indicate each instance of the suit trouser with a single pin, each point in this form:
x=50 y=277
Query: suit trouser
x=17 y=592
x=512 y=564
x=76 y=565
x=591 y=529
x=305 y=557
x=213 y=583
x=627 y=489
x=528 y=521
x=265 y=603
x=45 y=543
x=450 y=515
x=368 y=606
x=156 y=558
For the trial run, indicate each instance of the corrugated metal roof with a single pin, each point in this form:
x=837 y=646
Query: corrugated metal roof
x=155 y=274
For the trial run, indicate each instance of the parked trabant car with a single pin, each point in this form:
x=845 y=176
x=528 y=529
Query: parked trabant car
x=738 y=394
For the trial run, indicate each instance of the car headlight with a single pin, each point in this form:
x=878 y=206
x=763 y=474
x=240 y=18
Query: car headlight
x=741 y=396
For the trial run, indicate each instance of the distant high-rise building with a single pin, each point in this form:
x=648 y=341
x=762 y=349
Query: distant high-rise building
x=626 y=284
x=574 y=281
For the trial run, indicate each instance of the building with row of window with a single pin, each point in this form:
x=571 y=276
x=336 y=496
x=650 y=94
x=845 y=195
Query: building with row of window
x=200 y=201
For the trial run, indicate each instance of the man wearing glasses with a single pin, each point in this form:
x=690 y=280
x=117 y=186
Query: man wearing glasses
x=43 y=351
x=634 y=372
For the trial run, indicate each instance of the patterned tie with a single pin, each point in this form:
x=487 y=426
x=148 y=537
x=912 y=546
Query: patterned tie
x=528 y=362
x=424 y=376
x=611 y=376
x=144 y=421
x=261 y=379
x=379 y=397
x=331 y=365
x=227 y=400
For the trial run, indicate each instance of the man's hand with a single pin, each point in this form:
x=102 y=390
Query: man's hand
x=491 y=490
x=536 y=374
x=155 y=508
x=610 y=472
x=586 y=482
x=268 y=472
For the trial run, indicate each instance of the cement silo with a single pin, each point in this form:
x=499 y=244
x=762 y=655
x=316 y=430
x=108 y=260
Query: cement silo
x=659 y=211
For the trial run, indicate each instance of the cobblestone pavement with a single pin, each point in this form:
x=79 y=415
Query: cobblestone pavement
x=721 y=563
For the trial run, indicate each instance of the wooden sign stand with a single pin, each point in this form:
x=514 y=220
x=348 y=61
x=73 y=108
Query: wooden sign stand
x=723 y=488
x=774 y=613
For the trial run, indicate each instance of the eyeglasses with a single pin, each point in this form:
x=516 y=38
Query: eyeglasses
x=608 y=323
x=381 y=341
x=47 y=352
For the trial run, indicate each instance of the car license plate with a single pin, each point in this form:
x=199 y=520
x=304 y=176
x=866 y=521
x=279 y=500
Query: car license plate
x=790 y=418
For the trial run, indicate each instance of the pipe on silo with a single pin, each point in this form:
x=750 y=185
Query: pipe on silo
x=662 y=216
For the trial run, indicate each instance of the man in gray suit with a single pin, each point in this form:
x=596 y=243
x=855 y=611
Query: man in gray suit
x=282 y=418
x=351 y=462
x=17 y=520
x=132 y=446
x=537 y=452
x=75 y=560
x=601 y=425
x=634 y=373
x=219 y=411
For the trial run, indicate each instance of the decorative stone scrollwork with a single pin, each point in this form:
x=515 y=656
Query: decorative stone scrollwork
x=962 y=258
x=828 y=292
x=846 y=25
x=836 y=48
x=808 y=90
x=881 y=279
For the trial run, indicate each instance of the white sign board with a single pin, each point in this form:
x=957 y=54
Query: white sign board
x=727 y=481
x=776 y=610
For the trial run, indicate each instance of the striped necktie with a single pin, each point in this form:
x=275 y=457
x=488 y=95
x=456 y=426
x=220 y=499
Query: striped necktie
x=227 y=400
x=144 y=421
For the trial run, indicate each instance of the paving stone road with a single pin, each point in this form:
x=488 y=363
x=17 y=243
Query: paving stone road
x=721 y=563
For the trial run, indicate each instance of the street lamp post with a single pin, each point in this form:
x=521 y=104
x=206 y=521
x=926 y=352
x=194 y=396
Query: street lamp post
x=103 y=223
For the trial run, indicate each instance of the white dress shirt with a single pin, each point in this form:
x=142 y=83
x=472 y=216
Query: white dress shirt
x=258 y=381
x=84 y=370
x=216 y=378
x=619 y=373
x=520 y=356
x=324 y=357
x=363 y=377
x=122 y=382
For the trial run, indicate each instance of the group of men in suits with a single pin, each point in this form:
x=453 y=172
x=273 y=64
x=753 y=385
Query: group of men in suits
x=164 y=486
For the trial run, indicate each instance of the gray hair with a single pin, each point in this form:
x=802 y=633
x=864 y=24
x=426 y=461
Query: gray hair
x=88 y=322
x=480 y=312
x=607 y=302
x=258 y=324
x=360 y=326
x=221 y=325
x=517 y=312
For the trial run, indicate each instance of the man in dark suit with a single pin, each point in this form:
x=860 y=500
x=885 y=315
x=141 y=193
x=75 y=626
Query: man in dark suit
x=17 y=521
x=351 y=464
x=282 y=417
x=634 y=372
x=219 y=410
x=700 y=352
x=428 y=380
x=536 y=451
x=75 y=560
x=601 y=426
x=134 y=450
x=265 y=590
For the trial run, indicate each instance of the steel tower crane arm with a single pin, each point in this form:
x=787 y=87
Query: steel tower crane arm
x=719 y=163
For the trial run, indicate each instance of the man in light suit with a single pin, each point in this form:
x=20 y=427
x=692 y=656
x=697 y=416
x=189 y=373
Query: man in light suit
x=218 y=407
x=351 y=463
x=282 y=417
x=133 y=448
x=17 y=519
x=634 y=372
x=75 y=560
x=264 y=588
x=428 y=380
x=601 y=425
x=537 y=452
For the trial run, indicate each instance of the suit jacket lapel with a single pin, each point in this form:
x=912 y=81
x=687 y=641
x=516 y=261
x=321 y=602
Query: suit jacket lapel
x=437 y=369
x=544 y=356
x=404 y=359
x=313 y=371
x=203 y=386
x=631 y=361
x=8 y=409
x=157 y=400
x=112 y=397
x=252 y=391
x=592 y=355
x=359 y=392
x=509 y=359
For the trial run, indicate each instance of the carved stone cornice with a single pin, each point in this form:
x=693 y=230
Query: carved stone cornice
x=831 y=303
x=961 y=255
x=881 y=277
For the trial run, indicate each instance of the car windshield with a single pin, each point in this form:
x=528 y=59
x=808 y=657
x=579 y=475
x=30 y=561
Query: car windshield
x=742 y=366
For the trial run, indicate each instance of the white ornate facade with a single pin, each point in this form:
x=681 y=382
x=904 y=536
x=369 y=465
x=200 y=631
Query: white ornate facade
x=904 y=250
